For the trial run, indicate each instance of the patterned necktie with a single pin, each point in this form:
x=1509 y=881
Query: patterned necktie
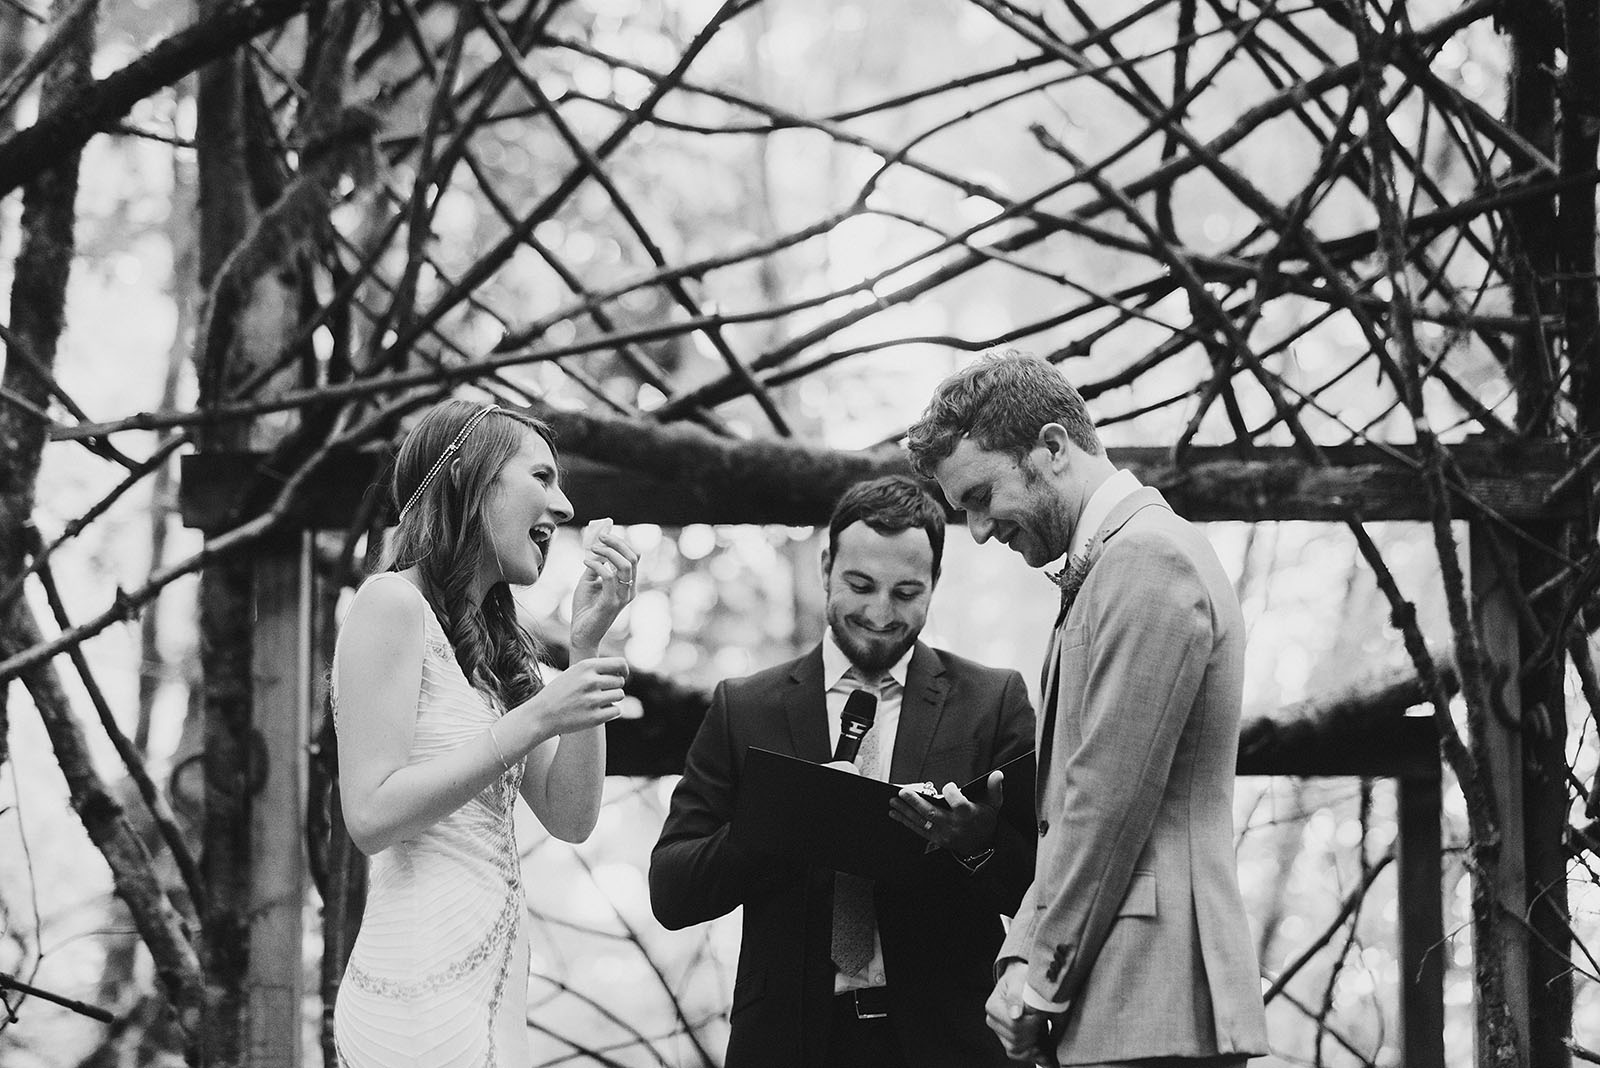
x=855 y=920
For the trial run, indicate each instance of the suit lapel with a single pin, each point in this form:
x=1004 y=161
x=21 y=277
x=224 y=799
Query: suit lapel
x=921 y=706
x=1050 y=678
x=1125 y=509
x=1044 y=728
x=806 y=708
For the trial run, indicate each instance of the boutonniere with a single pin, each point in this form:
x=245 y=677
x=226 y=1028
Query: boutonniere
x=1070 y=579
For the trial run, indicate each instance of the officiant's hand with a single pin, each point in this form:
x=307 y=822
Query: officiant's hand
x=964 y=828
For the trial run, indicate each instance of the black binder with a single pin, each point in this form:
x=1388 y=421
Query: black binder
x=828 y=818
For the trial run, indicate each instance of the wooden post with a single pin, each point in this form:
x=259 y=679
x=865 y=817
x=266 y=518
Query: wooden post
x=280 y=664
x=1422 y=944
x=1495 y=614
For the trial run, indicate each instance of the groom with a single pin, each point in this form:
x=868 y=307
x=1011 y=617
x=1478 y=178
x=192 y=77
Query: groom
x=1131 y=946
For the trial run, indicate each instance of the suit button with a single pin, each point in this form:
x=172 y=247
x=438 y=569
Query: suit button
x=1044 y=825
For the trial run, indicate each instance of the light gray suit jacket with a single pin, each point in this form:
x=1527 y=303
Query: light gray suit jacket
x=1134 y=915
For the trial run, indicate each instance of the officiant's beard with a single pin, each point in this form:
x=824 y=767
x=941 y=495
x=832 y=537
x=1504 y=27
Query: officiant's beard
x=871 y=651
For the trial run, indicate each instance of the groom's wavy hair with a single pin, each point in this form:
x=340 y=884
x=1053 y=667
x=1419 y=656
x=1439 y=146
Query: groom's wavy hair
x=1000 y=403
x=442 y=535
x=889 y=505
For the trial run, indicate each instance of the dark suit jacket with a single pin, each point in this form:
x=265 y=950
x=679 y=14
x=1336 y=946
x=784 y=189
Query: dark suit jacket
x=940 y=934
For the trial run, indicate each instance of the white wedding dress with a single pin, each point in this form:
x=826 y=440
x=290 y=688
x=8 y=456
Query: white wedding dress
x=438 y=976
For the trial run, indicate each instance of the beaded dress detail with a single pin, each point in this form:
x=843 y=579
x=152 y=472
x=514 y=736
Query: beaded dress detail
x=439 y=972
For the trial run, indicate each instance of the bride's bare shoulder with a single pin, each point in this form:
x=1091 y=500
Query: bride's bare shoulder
x=386 y=604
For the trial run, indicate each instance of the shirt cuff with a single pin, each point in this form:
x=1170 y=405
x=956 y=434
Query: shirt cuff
x=1035 y=1000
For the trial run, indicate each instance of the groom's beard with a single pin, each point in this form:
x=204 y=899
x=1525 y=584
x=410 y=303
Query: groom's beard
x=1046 y=523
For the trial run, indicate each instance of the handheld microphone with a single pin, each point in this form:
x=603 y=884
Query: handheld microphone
x=854 y=722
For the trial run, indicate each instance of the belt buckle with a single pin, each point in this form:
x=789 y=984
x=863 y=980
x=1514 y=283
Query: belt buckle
x=868 y=1014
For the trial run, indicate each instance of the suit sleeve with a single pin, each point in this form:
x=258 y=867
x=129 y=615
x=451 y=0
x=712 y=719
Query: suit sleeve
x=696 y=872
x=1149 y=639
x=1008 y=873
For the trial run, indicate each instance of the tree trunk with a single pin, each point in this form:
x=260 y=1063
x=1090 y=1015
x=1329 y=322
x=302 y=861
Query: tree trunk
x=38 y=300
x=226 y=211
x=11 y=56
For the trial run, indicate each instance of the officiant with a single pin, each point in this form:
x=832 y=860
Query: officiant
x=835 y=969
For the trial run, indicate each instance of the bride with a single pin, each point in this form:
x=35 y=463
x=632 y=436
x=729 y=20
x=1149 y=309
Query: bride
x=443 y=719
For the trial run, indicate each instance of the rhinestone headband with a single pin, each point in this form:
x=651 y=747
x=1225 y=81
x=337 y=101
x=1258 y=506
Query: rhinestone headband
x=449 y=451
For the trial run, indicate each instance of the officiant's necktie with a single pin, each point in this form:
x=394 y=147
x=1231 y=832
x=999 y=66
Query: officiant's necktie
x=854 y=915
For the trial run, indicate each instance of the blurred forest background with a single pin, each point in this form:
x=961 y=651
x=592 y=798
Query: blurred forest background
x=728 y=248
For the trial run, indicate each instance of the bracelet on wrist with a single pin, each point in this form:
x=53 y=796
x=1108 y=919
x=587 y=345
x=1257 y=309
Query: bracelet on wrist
x=977 y=858
x=494 y=739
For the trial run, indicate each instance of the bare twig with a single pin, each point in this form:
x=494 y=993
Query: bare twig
x=93 y=1012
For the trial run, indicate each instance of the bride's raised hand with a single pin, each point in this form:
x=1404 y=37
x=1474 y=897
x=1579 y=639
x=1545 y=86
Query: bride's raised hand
x=583 y=696
x=610 y=567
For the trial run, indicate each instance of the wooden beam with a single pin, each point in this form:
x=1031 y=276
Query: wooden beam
x=1546 y=808
x=1494 y=605
x=1421 y=901
x=1394 y=747
x=710 y=486
x=280 y=662
x=1362 y=730
x=1371 y=737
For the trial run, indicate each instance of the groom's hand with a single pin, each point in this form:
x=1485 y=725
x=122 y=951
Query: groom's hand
x=1023 y=1031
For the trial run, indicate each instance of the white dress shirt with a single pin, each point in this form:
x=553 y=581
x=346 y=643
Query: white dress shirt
x=1110 y=493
